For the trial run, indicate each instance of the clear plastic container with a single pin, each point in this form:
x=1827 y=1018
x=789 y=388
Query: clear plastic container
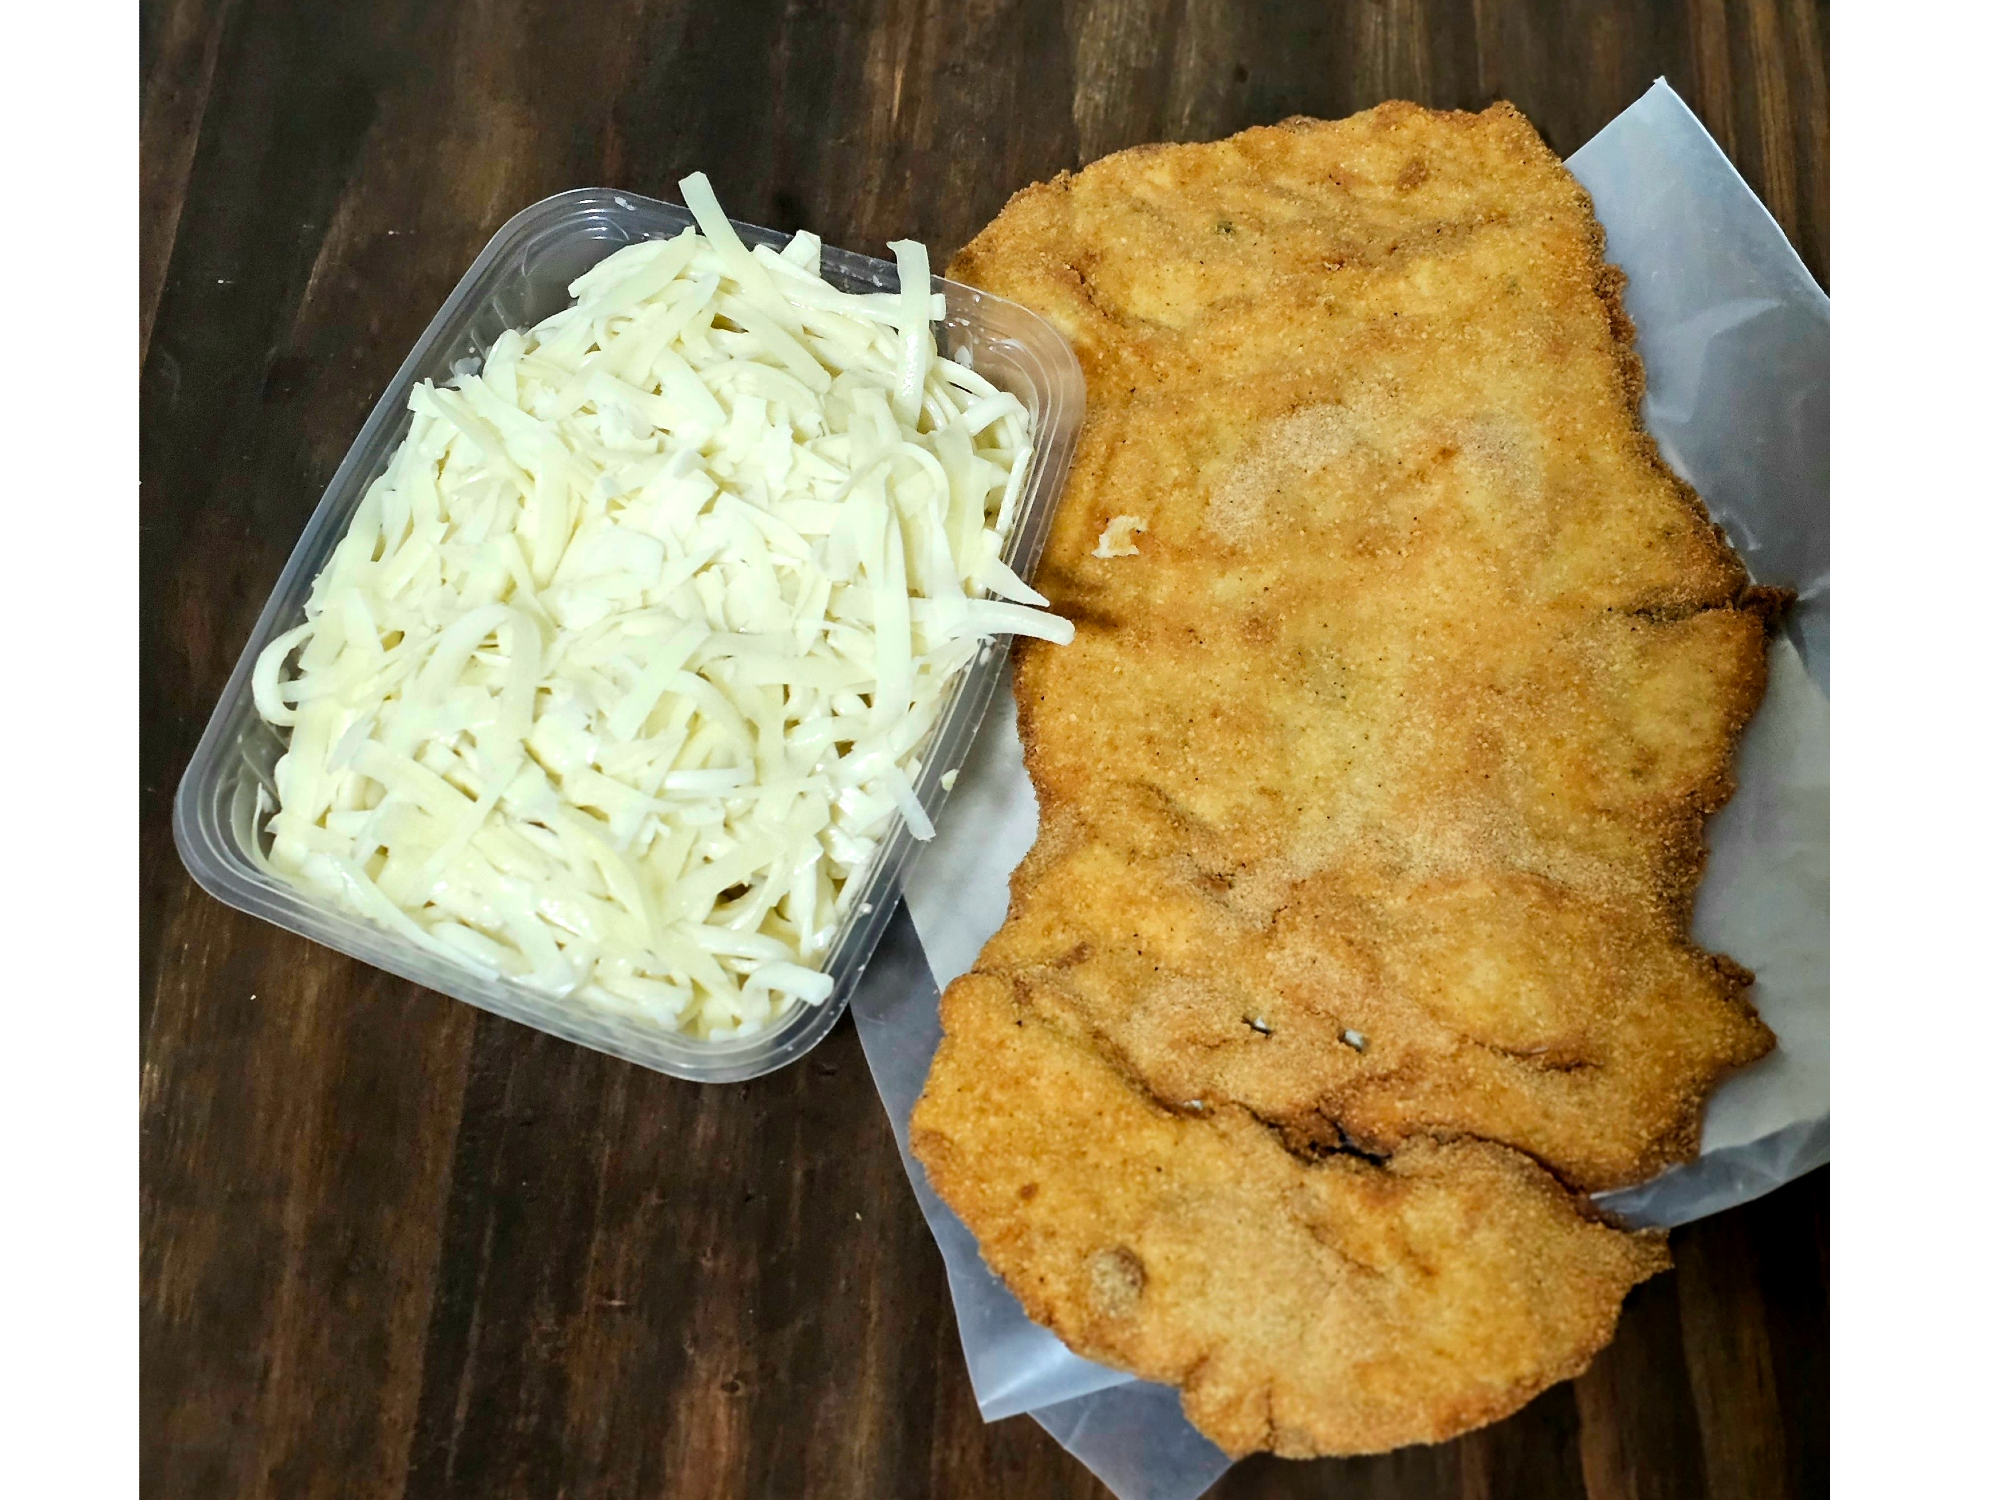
x=520 y=278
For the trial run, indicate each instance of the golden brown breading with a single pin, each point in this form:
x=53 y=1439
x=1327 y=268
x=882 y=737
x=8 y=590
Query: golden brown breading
x=1373 y=784
x=1372 y=790
x=1332 y=1306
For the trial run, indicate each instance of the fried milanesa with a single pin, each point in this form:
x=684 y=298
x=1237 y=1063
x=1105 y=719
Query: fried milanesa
x=1373 y=784
x=1331 y=1306
x=1353 y=945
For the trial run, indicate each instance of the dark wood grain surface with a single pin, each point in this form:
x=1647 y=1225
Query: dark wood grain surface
x=394 y=1247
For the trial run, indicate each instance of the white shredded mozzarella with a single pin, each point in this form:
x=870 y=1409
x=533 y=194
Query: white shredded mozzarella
x=1118 y=539
x=620 y=676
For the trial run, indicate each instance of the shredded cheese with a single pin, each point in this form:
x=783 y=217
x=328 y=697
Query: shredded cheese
x=622 y=672
x=1118 y=539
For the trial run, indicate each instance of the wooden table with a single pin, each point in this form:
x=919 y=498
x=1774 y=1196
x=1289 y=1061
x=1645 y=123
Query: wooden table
x=394 y=1247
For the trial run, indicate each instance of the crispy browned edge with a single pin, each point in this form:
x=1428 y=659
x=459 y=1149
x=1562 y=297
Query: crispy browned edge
x=1683 y=1142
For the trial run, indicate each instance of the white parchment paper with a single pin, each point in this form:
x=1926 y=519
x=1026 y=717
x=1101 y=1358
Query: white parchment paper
x=1734 y=334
